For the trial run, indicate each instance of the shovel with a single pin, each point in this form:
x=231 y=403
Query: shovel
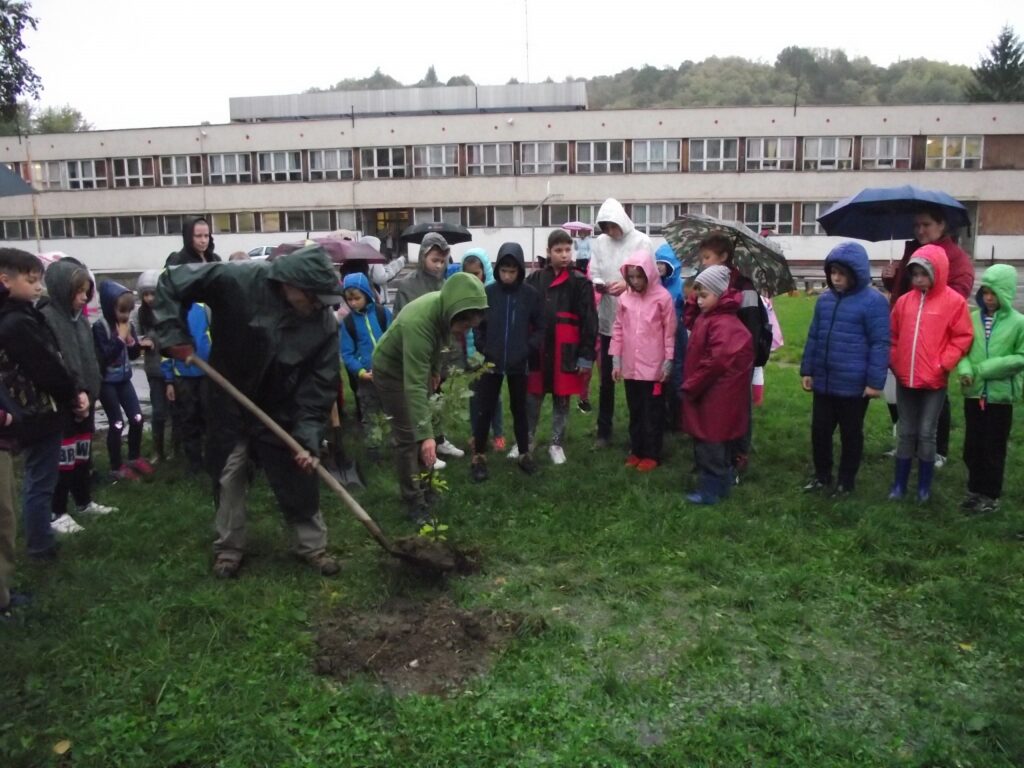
x=336 y=461
x=426 y=555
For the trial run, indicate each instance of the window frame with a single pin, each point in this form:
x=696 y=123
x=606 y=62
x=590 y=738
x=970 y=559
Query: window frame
x=779 y=226
x=720 y=158
x=962 y=158
x=279 y=166
x=644 y=222
x=391 y=170
x=822 y=162
x=193 y=175
x=888 y=162
x=227 y=178
x=86 y=174
x=327 y=172
x=426 y=166
x=702 y=209
x=665 y=163
x=484 y=167
x=759 y=161
x=541 y=166
x=52 y=167
x=125 y=178
x=595 y=163
x=812 y=222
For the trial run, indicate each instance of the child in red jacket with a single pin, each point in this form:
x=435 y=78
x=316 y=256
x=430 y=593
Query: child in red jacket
x=931 y=331
x=716 y=382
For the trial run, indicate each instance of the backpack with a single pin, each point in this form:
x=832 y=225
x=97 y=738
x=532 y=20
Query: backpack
x=763 y=340
x=382 y=320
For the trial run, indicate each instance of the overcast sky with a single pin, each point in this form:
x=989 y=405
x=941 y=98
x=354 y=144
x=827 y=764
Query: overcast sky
x=137 y=63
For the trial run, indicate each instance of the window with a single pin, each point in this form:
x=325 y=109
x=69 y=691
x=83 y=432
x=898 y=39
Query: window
x=587 y=214
x=435 y=160
x=233 y=168
x=17 y=168
x=295 y=221
x=270 y=222
x=775 y=154
x=81 y=228
x=883 y=152
x=245 y=222
x=57 y=228
x=476 y=216
x=319 y=221
x=125 y=226
x=181 y=170
x=714 y=155
x=723 y=211
x=652 y=217
x=134 y=172
x=173 y=224
x=280 y=166
x=422 y=215
x=325 y=164
x=149 y=225
x=654 y=155
x=778 y=217
x=30 y=229
x=87 y=174
x=489 y=159
x=600 y=157
x=516 y=216
x=559 y=215
x=828 y=153
x=12 y=230
x=809 y=213
x=544 y=157
x=450 y=216
x=346 y=219
x=221 y=223
x=50 y=174
x=103 y=226
x=531 y=215
x=946 y=152
x=383 y=163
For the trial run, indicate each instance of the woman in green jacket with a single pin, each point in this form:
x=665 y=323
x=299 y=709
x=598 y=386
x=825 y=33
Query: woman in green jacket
x=992 y=375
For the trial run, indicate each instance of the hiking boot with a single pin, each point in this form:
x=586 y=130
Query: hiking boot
x=324 y=563
x=478 y=469
x=557 y=454
x=970 y=501
x=92 y=508
x=66 y=524
x=646 y=465
x=527 y=464
x=632 y=460
x=584 y=406
x=986 y=505
x=226 y=566
x=815 y=484
x=448 y=448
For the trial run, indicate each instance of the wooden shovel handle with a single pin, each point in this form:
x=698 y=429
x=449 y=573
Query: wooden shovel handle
x=293 y=444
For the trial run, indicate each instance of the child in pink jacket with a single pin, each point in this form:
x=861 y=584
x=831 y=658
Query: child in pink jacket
x=642 y=348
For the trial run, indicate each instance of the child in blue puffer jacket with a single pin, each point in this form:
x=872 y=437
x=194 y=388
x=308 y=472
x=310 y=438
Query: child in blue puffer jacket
x=358 y=336
x=844 y=364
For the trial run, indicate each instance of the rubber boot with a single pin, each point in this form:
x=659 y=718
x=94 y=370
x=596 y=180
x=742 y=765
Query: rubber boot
x=925 y=473
x=900 y=479
x=708 y=490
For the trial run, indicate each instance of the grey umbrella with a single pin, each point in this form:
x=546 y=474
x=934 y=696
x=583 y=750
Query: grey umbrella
x=12 y=184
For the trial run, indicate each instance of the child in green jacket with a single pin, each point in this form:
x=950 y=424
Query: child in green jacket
x=992 y=375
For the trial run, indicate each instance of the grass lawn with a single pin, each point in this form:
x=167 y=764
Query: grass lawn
x=775 y=629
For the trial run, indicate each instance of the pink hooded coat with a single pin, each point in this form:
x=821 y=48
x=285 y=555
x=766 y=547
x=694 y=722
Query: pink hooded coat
x=644 y=333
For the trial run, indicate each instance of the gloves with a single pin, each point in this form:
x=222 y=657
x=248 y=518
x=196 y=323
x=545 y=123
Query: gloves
x=180 y=352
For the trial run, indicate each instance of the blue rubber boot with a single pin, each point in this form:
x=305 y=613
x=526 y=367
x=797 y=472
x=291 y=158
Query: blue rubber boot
x=708 y=490
x=925 y=473
x=900 y=479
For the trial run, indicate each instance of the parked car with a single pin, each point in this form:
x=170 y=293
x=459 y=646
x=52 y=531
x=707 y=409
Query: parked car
x=261 y=252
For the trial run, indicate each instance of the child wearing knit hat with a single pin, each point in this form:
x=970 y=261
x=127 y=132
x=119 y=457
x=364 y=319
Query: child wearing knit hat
x=716 y=382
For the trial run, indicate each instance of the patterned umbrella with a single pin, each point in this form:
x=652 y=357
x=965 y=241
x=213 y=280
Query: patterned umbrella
x=340 y=251
x=756 y=257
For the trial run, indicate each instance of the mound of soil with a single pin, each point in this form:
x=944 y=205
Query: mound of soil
x=414 y=646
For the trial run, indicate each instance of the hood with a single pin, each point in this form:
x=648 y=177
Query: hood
x=480 y=255
x=1001 y=279
x=729 y=303
x=515 y=251
x=611 y=210
x=432 y=240
x=459 y=293
x=110 y=292
x=645 y=261
x=147 y=280
x=665 y=255
x=59 y=278
x=451 y=269
x=855 y=259
x=186 y=236
x=933 y=258
x=359 y=281
x=311 y=270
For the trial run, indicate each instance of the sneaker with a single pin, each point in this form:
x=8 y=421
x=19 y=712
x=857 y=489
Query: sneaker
x=124 y=473
x=632 y=460
x=324 y=563
x=447 y=448
x=66 y=524
x=890 y=453
x=439 y=465
x=557 y=454
x=970 y=501
x=499 y=444
x=985 y=506
x=141 y=467
x=813 y=485
x=527 y=464
x=226 y=566
x=584 y=406
x=646 y=465
x=514 y=453
x=92 y=508
x=940 y=461
x=478 y=469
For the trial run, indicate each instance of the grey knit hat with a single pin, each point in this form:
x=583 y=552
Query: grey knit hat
x=715 y=279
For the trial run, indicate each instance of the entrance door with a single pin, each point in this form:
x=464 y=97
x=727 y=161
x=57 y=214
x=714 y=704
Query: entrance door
x=387 y=224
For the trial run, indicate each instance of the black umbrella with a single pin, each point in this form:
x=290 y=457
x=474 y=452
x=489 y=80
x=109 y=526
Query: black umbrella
x=887 y=213
x=12 y=184
x=452 y=233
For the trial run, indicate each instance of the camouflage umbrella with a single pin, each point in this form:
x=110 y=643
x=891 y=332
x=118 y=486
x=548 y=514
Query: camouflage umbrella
x=756 y=257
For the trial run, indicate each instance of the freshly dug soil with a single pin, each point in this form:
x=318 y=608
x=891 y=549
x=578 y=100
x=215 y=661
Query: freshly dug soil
x=414 y=646
x=435 y=557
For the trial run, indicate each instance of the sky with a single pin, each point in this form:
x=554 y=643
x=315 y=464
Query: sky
x=140 y=63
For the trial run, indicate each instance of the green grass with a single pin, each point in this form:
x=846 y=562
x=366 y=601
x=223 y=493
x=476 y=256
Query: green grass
x=773 y=630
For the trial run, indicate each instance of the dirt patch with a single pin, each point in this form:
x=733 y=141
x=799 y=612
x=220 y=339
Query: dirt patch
x=414 y=646
x=436 y=557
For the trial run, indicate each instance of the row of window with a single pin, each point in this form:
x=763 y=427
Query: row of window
x=648 y=217
x=820 y=153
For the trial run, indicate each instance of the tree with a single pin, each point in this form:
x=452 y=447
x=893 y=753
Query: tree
x=65 y=119
x=430 y=80
x=1000 y=76
x=460 y=80
x=21 y=122
x=17 y=78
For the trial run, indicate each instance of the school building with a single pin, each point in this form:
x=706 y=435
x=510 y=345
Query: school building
x=509 y=162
